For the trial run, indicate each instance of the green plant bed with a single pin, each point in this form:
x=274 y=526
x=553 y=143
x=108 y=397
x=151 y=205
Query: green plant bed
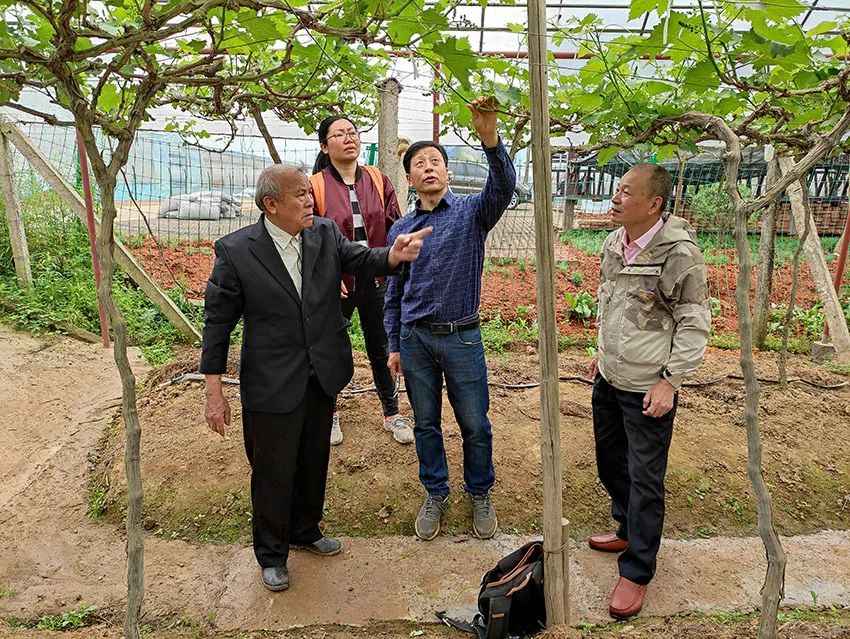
x=63 y=289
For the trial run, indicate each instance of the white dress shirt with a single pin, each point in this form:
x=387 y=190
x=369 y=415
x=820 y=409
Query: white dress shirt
x=289 y=248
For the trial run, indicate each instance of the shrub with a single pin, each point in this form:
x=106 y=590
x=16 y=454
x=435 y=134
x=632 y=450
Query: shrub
x=711 y=204
x=63 y=283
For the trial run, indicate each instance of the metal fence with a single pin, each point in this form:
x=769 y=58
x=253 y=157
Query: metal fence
x=182 y=197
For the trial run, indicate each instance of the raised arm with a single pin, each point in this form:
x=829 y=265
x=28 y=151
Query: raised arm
x=499 y=188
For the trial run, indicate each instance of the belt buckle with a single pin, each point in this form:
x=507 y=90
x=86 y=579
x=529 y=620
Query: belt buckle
x=441 y=329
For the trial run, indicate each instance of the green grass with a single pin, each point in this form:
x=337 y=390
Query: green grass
x=71 y=620
x=587 y=241
x=700 y=624
x=355 y=333
x=7 y=593
x=63 y=284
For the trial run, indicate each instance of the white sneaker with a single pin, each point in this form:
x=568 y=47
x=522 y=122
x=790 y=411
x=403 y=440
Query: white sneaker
x=400 y=428
x=336 y=431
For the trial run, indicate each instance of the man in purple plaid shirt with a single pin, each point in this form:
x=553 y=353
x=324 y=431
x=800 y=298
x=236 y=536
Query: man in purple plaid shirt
x=431 y=319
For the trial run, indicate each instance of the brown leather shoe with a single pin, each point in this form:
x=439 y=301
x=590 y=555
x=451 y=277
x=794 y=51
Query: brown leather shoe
x=626 y=599
x=607 y=542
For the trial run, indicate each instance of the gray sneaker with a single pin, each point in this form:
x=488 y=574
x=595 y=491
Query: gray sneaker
x=400 y=428
x=428 y=519
x=484 y=520
x=336 y=431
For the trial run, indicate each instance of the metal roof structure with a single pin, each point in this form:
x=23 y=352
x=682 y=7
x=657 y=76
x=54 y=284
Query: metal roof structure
x=499 y=27
x=489 y=21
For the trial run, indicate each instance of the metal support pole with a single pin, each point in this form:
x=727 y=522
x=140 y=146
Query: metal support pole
x=435 y=125
x=95 y=260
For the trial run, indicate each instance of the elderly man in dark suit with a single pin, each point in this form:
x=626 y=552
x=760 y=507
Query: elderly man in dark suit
x=281 y=275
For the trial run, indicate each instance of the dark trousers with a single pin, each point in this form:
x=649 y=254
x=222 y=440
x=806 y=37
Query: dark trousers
x=368 y=299
x=288 y=454
x=631 y=458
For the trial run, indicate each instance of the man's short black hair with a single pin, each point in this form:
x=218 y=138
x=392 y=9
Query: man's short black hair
x=416 y=147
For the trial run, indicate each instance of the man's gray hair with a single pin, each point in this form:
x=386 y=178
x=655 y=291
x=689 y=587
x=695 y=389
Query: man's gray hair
x=268 y=185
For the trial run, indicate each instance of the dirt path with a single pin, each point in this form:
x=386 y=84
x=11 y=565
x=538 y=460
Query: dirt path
x=58 y=397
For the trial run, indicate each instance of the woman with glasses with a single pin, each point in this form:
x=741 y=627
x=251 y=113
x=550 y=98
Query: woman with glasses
x=362 y=202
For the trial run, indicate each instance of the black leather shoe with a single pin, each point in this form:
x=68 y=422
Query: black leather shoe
x=276 y=578
x=325 y=546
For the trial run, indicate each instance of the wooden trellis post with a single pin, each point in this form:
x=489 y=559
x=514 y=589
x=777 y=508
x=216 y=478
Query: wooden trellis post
x=14 y=219
x=555 y=538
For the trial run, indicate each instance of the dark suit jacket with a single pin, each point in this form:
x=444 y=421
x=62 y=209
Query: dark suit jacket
x=283 y=334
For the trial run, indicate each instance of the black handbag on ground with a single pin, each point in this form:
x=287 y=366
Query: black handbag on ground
x=511 y=600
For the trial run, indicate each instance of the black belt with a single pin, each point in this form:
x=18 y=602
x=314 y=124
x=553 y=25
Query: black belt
x=446 y=328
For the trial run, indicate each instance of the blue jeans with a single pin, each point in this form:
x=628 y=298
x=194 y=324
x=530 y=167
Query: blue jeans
x=426 y=358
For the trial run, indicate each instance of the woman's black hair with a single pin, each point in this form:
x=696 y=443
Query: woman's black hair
x=322 y=159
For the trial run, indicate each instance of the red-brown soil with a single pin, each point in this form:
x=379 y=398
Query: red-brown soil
x=509 y=287
x=59 y=395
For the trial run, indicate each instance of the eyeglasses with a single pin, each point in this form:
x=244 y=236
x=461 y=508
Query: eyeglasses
x=347 y=135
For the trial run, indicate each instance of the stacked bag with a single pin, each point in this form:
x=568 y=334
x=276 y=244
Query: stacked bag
x=202 y=205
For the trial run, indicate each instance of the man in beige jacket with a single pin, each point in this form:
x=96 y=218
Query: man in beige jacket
x=654 y=325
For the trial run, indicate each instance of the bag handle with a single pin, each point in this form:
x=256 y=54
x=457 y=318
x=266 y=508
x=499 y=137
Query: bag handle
x=317 y=181
x=378 y=180
x=475 y=628
x=498 y=617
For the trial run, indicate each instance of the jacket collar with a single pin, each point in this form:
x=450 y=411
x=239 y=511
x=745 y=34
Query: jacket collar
x=263 y=248
x=358 y=172
x=447 y=201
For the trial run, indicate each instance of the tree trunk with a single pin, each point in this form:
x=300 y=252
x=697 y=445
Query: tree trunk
x=389 y=161
x=257 y=114
x=764 y=266
x=683 y=160
x=795 y=277
x=132 y=458
x=835 y=320
x=773 y=589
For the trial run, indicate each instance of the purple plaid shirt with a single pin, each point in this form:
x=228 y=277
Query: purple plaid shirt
x=444 y=283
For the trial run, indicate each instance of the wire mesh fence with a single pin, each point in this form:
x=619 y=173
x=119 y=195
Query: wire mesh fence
x=175 y=199
x=584 y=190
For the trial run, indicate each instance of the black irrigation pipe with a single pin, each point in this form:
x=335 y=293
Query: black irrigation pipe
x=198 y=377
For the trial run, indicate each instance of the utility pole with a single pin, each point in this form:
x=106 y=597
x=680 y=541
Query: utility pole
x=388 y=161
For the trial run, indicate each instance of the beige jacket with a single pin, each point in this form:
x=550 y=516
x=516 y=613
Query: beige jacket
x=653 y=317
